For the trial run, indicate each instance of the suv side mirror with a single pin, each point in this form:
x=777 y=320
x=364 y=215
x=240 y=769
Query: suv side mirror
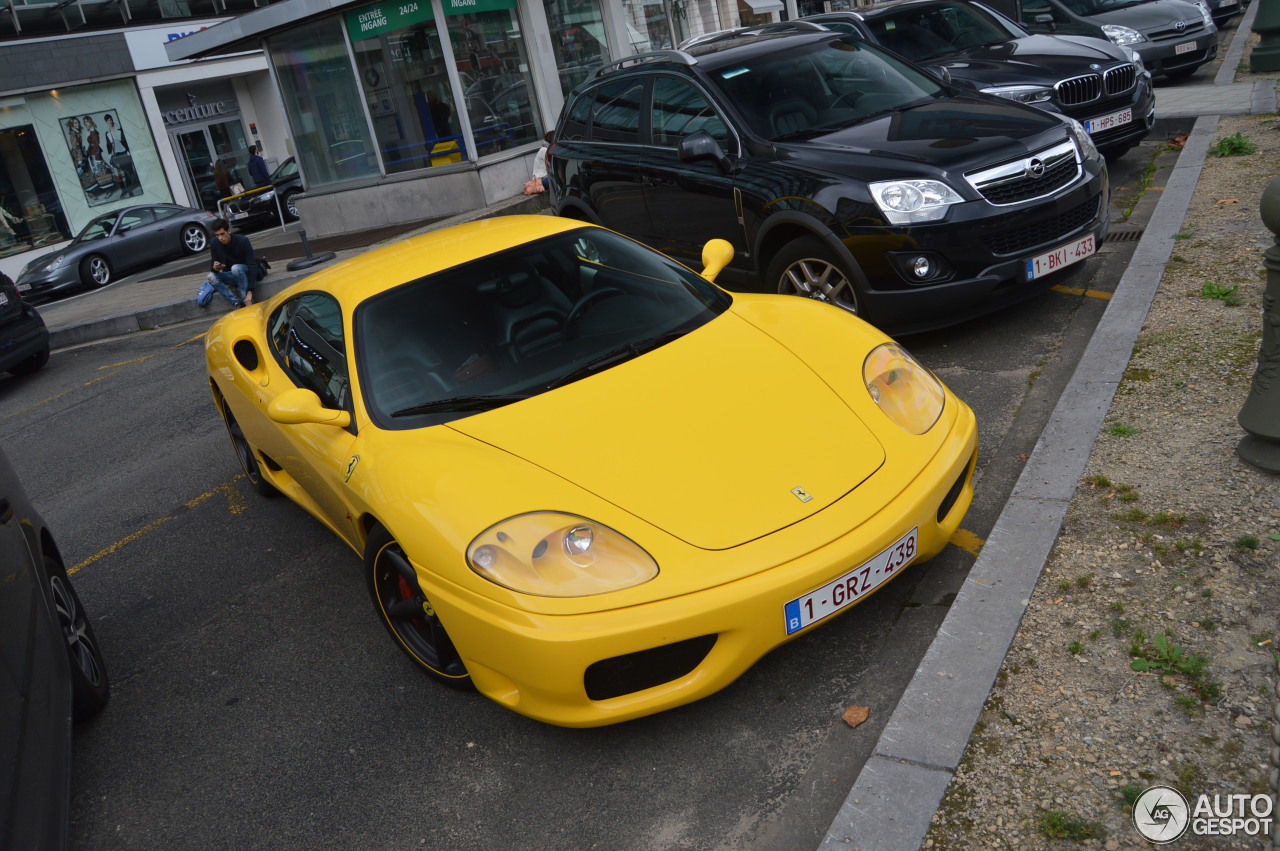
x=701 y=145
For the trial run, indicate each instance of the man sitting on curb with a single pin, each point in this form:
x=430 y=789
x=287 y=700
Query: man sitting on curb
x=235 y=268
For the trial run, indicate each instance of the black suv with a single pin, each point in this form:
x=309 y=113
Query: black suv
x=1102 y=85
x=837 y=171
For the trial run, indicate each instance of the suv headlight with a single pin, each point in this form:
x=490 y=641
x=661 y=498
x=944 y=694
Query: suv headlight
x=1122 y=35
x=1134 y=58
x=1022 y=94
x=1205 y=13
x=552 y=554
x=906 y=201
x=908 y=393
x=1088 y=150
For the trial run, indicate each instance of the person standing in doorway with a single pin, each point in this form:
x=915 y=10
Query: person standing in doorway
x=258 y=168
x=234 y=266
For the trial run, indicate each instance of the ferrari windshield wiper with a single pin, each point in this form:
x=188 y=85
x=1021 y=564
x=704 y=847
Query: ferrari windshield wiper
x=463 y=403
x=615 y=357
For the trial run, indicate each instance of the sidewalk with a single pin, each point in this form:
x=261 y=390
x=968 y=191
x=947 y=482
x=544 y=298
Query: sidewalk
x=168 y=295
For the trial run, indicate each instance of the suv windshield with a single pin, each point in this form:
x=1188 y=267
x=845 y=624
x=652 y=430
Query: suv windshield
x=821 y=86
x=520 y=322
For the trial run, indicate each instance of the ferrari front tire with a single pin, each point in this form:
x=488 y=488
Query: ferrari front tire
x=407 y=613
x=244 y=452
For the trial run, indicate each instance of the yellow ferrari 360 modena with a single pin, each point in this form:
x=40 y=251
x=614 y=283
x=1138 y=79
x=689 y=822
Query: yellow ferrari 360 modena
x=585 y=480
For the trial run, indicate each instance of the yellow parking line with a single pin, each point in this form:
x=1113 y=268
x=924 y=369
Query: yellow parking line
x=235 y=504
x=967 y=541
x=1102 y=294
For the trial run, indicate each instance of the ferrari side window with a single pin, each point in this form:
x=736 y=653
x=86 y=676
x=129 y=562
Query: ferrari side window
x=315 y=350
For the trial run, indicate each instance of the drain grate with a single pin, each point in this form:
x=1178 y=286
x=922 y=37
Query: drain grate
x=1124 y=236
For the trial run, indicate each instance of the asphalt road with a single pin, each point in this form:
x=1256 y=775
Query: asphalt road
x=258 y=702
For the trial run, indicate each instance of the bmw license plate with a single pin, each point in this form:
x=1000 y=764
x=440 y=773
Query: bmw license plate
x=1106 y=122
x=240 y=216
x=1184 y=48
x=852 y=586
x=1052 y=261
x=22 y=288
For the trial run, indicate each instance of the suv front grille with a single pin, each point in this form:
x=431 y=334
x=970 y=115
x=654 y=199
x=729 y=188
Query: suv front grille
x=1119 y=79
x=1036 y=176
x=1079 y=90
x=1020 y=240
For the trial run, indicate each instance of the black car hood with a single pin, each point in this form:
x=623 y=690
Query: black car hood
x=944 y=134
x=1037 y=59
x=1155 y=15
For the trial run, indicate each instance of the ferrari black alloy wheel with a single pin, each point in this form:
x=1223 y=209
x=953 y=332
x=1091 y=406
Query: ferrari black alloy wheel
x=408 y=614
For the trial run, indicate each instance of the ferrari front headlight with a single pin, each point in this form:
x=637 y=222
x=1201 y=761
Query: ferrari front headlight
x=552 y=554
x=908 y=393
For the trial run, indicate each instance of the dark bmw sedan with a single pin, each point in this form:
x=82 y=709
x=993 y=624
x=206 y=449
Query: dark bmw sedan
x=1102 y=85
x=838 y=171
x=116 y=242
x=24 y=339
x=51 y=673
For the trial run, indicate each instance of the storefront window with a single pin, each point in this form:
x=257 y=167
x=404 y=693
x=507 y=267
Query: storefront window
x=489 y=50
x=404 y=77
x=577 y=39
x=655 y=24
x=30 y=212
x=324 y=104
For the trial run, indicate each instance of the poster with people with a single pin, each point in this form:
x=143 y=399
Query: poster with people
x=100 y=153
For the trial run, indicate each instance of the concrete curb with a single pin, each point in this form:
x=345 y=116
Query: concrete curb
x=893 y=799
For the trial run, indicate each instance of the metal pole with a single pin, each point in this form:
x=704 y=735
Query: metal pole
x=1260 y=415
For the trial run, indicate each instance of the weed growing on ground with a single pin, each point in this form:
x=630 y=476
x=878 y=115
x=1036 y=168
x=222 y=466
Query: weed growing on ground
x=1120 y=430
x=1226 y=295
x=1246 y=543
x=1235 y=145
x=1058 y=824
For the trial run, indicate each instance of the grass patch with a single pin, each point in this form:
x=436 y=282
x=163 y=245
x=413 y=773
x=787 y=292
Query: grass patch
x=1246 y=543
x=1058 y=824
x=1120 y=430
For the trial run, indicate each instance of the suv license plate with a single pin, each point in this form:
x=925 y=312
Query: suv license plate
x=1184 y=48
x=852 y=586
x=1052 y=261
x=22 y=288
x=1106 y=122
x=4 y=299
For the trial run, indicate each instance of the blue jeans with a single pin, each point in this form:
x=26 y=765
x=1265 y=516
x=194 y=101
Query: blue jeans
x=233 y=285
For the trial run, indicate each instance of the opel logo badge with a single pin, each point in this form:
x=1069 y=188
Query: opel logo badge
x=802 y=494
x=1035 y=167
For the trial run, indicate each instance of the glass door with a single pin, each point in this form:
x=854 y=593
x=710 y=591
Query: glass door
x=200 y=149
x=196 y=155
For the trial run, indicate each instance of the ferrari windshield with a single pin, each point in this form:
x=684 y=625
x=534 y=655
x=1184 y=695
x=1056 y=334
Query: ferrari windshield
x=514 y=324
x=822 y=86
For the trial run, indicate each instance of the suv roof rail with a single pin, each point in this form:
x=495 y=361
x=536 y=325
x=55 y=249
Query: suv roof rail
x=797 y=26
x=679 y=57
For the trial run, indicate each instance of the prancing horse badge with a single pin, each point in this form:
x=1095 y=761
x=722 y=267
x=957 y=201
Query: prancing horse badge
x=802 y=494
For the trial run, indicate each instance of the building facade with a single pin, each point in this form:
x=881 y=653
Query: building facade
x=91 y=122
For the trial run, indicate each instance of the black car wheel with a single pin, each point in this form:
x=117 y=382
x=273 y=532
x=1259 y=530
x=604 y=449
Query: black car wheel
x=194 y=239
x=90 y=687
x=32 y=363
x=807 y=267
x=290 y=206
x=244 y=452
x=408 y=614
x=95 y=271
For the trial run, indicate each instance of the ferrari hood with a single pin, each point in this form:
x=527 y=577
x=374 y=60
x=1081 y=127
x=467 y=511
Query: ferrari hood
x=718 y=438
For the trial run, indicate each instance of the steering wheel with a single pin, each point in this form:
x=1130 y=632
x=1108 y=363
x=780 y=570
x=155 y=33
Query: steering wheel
x=852 y=95
x=584 y=304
